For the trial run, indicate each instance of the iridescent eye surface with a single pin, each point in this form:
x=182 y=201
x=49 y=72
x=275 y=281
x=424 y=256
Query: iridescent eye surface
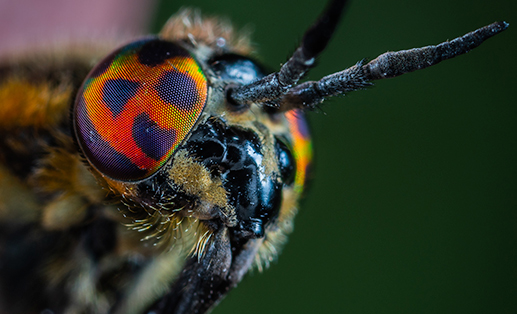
x=302 y=146
x=136 y=106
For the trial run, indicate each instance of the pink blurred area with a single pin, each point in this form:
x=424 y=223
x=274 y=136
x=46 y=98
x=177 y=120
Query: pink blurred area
x=30 y=22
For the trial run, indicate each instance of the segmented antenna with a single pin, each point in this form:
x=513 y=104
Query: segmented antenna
x=277 y=84
x=387 y=65
x=279 y=89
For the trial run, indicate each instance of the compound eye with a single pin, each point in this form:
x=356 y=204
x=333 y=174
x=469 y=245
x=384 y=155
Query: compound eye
x=137 y=106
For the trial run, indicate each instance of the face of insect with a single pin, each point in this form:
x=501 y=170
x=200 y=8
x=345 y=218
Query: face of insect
x=180 y=168
x=234 y=168
x=139 y=105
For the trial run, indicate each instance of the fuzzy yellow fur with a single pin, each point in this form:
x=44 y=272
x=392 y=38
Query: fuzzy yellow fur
x=36 y=104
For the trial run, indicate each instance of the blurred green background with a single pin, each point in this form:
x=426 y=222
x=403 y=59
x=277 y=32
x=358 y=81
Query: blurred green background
x=413 y=204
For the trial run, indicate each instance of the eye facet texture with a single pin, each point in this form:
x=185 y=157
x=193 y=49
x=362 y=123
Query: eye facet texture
x=137 y=106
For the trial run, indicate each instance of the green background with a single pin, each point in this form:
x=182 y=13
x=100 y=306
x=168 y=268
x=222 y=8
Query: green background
x=412 y=206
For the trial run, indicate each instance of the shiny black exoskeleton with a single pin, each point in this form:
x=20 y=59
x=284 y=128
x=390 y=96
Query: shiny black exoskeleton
x=236 y=157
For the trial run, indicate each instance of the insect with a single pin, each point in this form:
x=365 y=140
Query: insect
x=180 y=167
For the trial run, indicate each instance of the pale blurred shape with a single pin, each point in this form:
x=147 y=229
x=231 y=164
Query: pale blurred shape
x=29 y=22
